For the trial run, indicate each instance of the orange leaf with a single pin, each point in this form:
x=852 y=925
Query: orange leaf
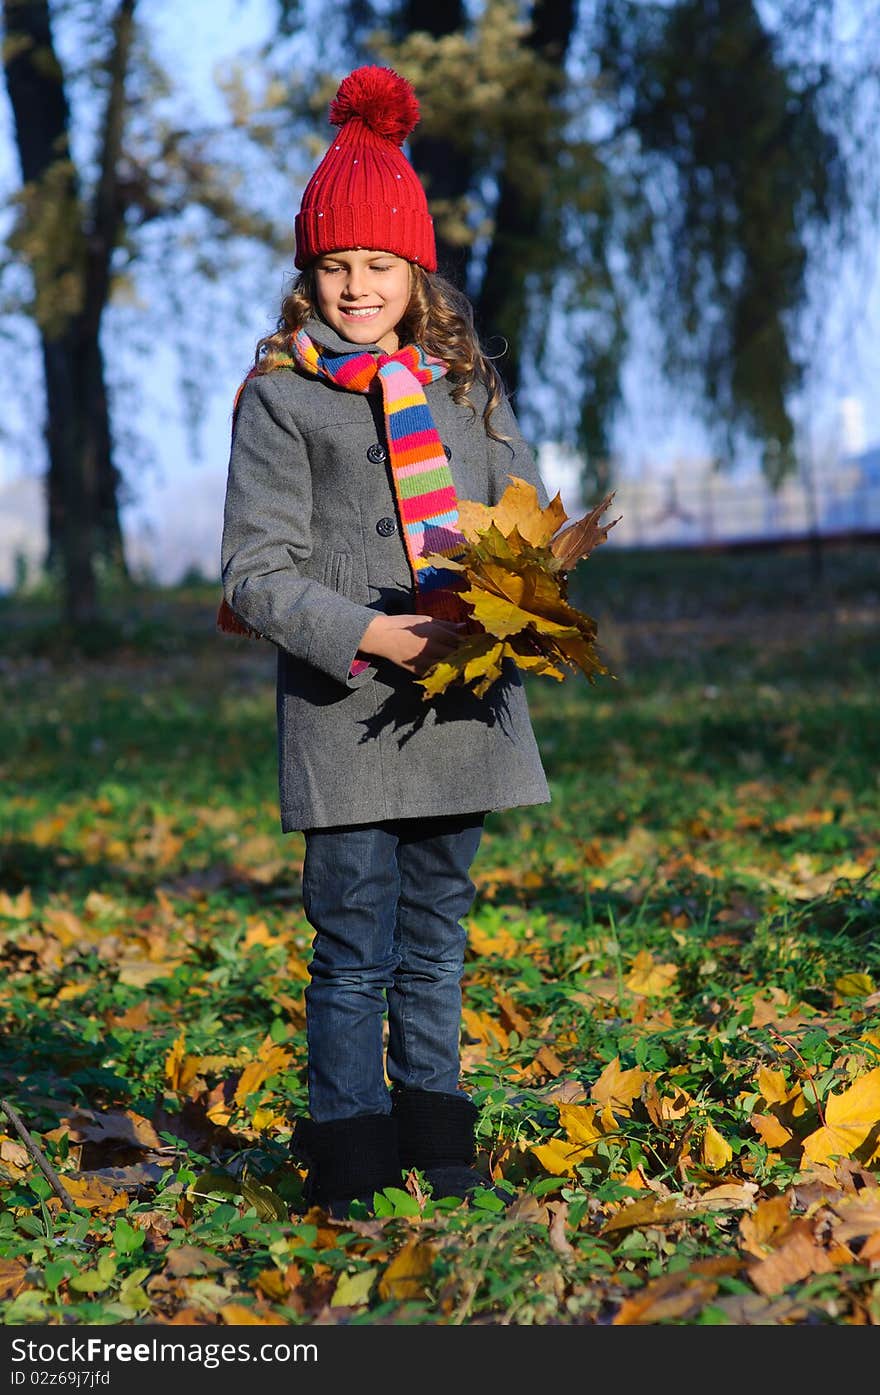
x=796 y=1258
x=770 y=1131
x=237 y=1314
x=93 y=1194
x=12 y=1277
x=766 y=1226
x=485 y=1029
x=678 y=1295
x=270 y=1061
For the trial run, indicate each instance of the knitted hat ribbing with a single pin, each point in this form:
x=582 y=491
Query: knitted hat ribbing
x=365 y=192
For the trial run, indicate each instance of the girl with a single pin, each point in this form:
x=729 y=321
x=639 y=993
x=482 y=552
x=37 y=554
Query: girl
x=368 y=414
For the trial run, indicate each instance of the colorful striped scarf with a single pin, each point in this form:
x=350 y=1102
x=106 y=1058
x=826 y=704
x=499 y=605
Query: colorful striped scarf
x=424 y=489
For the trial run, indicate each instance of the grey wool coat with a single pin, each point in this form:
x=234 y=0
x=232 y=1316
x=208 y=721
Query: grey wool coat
x=311 y=550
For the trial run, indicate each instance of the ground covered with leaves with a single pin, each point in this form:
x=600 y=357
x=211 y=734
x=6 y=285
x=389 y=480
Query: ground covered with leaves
x=671 y=991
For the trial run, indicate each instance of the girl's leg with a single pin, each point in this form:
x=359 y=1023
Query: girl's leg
x=434 y=857
x=350 y=886
x=436 y=1121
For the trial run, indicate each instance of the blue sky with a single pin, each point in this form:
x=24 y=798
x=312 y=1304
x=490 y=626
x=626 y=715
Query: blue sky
x=656 y=428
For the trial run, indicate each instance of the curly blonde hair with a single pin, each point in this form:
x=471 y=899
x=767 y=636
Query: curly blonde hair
x=438 y=317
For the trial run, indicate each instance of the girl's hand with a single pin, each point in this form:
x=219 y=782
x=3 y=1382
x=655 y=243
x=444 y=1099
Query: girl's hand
x=413 y=642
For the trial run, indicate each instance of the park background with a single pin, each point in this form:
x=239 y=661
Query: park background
x=667 y=213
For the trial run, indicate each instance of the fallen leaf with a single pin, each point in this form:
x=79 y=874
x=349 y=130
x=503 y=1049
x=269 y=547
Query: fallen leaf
x=850 y=1119
x=770 y=1131
x=240 y=1315
x=559 y=1157
x=139 y=973
x=729 y=1196
x=529 y=1209
x=559 y=1241
x=353 y=1290
x=122 y=1126
x=618 y=1088
x=93 y=1194
x=644 y=1211
x=649 y=978
x=184 y=1260
x=405 y=1275
x=12 y=1277
x=14 y=1153
x=854 y=985
x=795 y=1259
x=677 y=1295
x=858 y=1215
x=485 y=1029
x=715 y=1151
x=766 y=1226
x=273 y=1284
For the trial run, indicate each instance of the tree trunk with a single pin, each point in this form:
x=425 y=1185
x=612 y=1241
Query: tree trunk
x=447 y=171
x=501 y=307
x=103 y=236
x=71 y=282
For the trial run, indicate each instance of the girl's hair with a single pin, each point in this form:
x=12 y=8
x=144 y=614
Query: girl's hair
x=439 y=318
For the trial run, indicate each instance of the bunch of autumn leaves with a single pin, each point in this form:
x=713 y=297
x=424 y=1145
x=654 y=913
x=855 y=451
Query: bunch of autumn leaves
x=514 y=581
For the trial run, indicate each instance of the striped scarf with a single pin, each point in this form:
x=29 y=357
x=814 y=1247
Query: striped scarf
x=422 y=480
x=424 y=489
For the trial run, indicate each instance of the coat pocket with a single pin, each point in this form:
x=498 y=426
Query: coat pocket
x=337 y=572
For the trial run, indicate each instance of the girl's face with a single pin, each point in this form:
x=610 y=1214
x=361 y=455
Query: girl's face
x=363 y=295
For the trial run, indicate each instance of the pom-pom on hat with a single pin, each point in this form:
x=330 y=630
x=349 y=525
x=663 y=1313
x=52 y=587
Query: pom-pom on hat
x=365 y=192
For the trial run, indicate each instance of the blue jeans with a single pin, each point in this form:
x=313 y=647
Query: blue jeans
x=385 y=902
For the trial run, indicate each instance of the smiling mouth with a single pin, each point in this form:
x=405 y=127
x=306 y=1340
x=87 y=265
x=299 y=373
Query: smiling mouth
x=362 y=312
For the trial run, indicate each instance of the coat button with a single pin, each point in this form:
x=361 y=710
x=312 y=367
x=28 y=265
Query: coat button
x=447 y=451
x=386 y=526
x=377 y=453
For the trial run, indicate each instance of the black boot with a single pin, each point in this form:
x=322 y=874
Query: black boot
x=347 y=1160
x=436 y=1133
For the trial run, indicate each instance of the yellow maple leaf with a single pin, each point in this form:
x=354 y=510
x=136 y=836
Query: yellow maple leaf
x=94 y=1194
x=512 y=577
x=618 y=1088
x=850 y=1119
x=579 y=1122
x=517 y=508
x=649 y=978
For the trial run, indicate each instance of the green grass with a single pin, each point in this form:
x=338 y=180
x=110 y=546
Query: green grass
x=715 y=811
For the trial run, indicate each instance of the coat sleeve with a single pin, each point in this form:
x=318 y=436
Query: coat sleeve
x=267 y=536
x=511 y=457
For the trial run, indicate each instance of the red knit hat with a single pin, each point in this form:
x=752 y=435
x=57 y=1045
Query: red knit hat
x=365 y=192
